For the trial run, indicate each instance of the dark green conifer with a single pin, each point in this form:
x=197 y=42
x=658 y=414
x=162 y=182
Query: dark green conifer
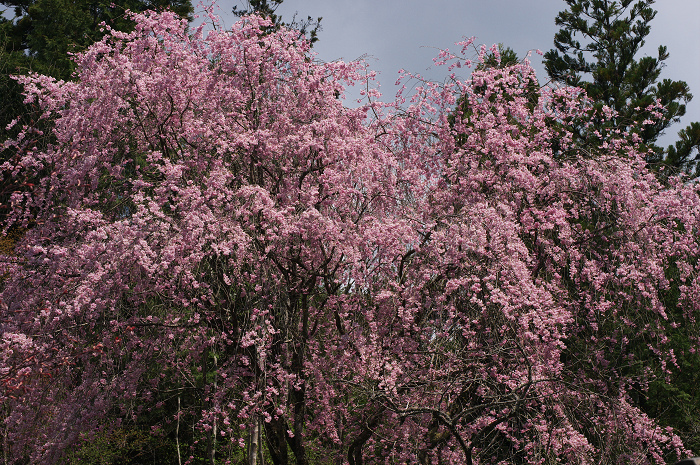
x=309 y=27
x=598 y=48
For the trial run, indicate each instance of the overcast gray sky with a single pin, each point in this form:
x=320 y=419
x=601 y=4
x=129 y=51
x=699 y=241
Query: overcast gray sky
x=397 y=34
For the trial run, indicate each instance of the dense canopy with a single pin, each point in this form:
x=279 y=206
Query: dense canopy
x=216 y=239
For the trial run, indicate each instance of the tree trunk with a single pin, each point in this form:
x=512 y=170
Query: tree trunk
x=211 y=434
x=254 y=442
x=275 y=434
x=177 y=432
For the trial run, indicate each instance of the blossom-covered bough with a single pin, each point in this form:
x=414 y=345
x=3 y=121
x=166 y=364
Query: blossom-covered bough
x=217 y=239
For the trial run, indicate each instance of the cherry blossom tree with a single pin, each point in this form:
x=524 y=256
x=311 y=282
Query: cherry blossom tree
x=542 y=269
x=218 y=238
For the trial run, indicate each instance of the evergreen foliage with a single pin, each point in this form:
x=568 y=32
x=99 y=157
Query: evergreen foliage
x=308 y=28
x=598 y=48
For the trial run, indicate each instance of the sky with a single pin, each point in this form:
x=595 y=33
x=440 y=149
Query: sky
x=408 y=34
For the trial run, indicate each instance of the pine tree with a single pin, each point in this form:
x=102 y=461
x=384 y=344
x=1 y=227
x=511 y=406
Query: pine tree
x=597 y=49
x=309 y=27
x=48 y=30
